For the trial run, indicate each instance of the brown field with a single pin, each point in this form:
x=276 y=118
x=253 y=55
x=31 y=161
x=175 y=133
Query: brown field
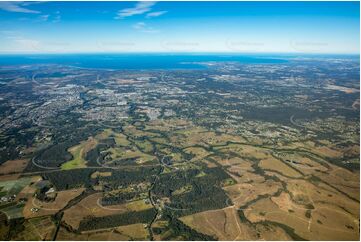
x=121 y=233
x=274 y=164
x=242 y=193
x=246 y=151
x=244 y=176
x=265 y=209
x=271 y=233
x=13 y=166
x=230 y=161
x=283 y=210
x=209 y=163
x=321 y=195
x=344 y=180
x=61 y=200
x=333 y=216
x=104 y=235
x=224 y=224
x=9 y=177
x=302 y=163
x=90 y=206
x=323 y=151
x=101 y=174
x=242 y=172
x=134 y=231
x=28 y=191
x=305 y=192
x=190 y=137
x=199 y=153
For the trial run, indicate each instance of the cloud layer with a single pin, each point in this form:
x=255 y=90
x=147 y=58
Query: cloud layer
x=16 y=7
x=140 y=8
x=155 y=14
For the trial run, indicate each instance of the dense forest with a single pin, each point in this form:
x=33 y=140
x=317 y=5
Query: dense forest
x=93 y=223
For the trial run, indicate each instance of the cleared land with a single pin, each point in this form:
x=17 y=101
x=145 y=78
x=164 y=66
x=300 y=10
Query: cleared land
x=91 y=206
x=49 y=208
x=13 y=166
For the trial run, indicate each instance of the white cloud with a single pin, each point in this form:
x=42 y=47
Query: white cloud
x=155 y=14
x=16 y=7
x=139 y=8
x=143 y=27
x=139 y=25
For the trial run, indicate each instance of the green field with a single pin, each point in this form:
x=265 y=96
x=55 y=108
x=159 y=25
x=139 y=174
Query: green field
x=78 y=160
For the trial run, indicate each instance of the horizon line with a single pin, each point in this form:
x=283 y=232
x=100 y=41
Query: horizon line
x=177 y=52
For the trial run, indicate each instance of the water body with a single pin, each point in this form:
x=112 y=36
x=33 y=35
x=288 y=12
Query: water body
x=135 y=61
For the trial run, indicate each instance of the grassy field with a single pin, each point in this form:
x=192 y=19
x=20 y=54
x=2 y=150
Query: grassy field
x=78 y=152
x=12 y=210
x=13 y=187
x=78 y=161
x=120 y=139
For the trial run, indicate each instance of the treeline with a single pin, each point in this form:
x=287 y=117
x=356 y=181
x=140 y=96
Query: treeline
x=55 y=155
x=178 y=228
x=206 y=193
x=68 y=131
x=170 y=182
x=96 y=155
x=119 y=198
x=63 y=180
x=14 y=137
x=64 y=138
x=115 y=220
x=202 y=197
x=68 y=179
x=126 y=177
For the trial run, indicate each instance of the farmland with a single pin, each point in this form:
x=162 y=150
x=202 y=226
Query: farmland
x=220 y=153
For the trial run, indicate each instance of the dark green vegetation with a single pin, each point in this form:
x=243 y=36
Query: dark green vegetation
x=117 y=220
x=205 y=193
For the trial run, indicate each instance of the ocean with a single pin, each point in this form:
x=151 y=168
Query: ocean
x=135 y=61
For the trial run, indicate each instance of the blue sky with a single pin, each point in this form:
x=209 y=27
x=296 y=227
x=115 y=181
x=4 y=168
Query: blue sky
x=276 y=27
